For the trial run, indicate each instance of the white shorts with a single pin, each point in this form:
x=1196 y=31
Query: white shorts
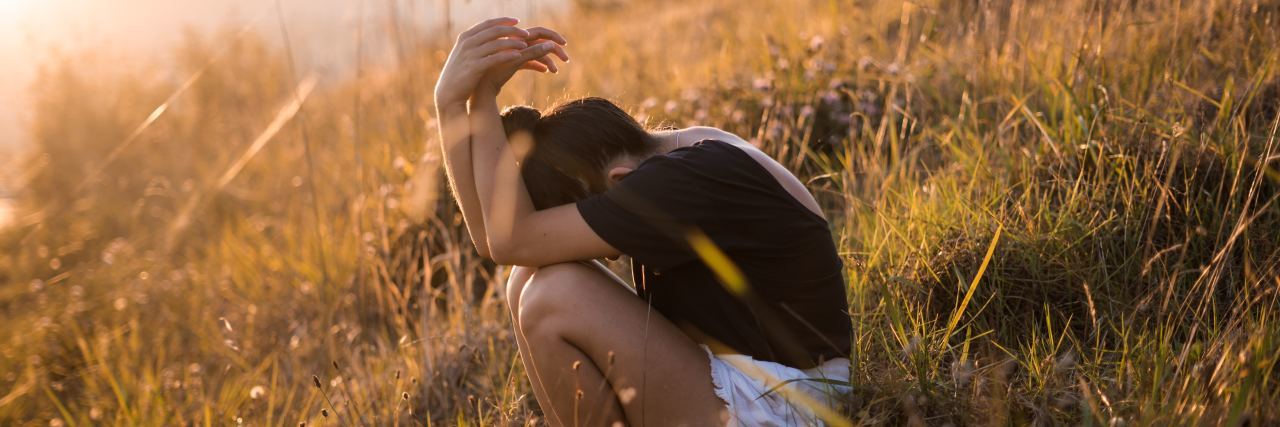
x=744 y=384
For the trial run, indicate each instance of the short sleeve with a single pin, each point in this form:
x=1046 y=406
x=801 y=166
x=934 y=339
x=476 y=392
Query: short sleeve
x=648 y=213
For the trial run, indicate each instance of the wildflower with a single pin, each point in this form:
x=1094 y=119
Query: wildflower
x=690 y=94
x=816 y=43
x=806 y=111
x=762 y=84
x=830 y=97
x=670 y=106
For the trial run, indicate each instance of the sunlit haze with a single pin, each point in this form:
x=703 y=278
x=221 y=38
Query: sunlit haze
x=129 y=32
x=322 y=32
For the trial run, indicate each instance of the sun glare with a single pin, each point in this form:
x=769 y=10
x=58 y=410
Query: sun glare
x=11 y=8
x=13 y=12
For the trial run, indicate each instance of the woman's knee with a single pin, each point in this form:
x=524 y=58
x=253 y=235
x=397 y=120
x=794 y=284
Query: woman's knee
x=516 y=283
x=549 y=295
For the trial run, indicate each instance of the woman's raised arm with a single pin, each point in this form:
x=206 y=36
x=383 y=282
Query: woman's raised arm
x=476 y=50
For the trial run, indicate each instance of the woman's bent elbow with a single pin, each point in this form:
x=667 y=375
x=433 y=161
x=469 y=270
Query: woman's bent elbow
x=499 y=253
x=504 y=254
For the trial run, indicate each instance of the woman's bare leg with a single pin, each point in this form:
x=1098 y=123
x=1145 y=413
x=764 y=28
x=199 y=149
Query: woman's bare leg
x=516 y=282
x=631 y=363
x=515 y=285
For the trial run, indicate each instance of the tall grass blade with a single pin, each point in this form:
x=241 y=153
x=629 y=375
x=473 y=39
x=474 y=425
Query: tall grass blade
x=973 y=286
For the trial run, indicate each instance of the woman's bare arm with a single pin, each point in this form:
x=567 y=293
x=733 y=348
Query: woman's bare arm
x=518 y=234
x=477 y=49
x=482 y=170
x=455 y=144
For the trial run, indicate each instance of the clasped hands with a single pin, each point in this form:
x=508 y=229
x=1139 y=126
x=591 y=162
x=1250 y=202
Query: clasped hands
x=488 y=54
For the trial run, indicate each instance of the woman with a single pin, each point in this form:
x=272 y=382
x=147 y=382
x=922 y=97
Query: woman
x=739 y=284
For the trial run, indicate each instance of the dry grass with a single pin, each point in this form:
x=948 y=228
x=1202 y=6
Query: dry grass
x=1124 y=153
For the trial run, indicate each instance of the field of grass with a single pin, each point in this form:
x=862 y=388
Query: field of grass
x=1051 y=212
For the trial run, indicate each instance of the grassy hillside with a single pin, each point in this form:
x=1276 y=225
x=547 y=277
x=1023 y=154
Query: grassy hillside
x=1051 y=212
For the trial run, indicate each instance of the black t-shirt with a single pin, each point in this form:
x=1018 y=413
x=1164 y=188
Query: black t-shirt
x=794 y=310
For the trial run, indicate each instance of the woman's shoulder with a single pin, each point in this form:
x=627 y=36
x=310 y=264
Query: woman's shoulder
x=708 y=133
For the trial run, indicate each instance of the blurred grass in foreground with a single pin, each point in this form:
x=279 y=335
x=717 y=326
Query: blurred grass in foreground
x=1127 y=151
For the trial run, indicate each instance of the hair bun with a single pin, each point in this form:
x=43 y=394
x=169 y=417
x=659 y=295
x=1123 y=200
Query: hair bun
x=520 y=118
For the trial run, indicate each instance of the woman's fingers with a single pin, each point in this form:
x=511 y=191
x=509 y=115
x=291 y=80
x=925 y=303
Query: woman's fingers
x=493 y=33
x=547 y=63
x=518 y=57
x=507 y=21
x=537 y=34
x=546 y=33
x=552 y=48
x=498 y=41
x=499 y=45
x=555 y=47
x=534 y=66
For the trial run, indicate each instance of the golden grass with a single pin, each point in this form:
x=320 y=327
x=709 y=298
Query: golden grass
x=1051 y=212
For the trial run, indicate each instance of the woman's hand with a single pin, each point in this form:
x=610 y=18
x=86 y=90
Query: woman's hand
x=484 y=46
x=542 y=40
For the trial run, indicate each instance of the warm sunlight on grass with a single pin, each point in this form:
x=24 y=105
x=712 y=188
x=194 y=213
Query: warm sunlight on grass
x=1050 y=212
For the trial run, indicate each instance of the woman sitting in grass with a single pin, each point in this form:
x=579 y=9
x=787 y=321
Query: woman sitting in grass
x=737 y=285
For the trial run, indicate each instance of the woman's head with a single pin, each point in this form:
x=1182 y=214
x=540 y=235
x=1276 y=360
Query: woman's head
x=573 y=146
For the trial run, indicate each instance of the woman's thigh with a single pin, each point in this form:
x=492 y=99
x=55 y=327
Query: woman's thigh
x=659 y=374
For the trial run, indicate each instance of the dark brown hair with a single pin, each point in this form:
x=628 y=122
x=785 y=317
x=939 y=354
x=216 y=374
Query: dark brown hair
x=572 y=145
